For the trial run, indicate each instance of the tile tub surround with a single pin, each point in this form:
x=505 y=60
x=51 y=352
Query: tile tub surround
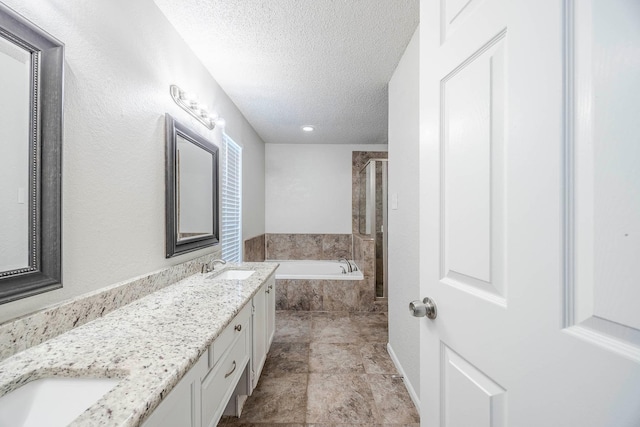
x=335 y=295
x=308 y=246
x=150 y=344
x=254 y=249
x=364 y=255
x=325 y=295
x=328 y=370
x=24 y=332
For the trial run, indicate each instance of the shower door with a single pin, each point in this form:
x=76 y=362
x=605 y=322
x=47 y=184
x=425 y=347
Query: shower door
x=372 y=217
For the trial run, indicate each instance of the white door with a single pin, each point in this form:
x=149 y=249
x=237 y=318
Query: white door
x=530 y=212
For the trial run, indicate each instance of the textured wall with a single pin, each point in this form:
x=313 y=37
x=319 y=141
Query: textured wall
x=121 y=57
x=403 y=222
x=308 y=187
x=253 y=196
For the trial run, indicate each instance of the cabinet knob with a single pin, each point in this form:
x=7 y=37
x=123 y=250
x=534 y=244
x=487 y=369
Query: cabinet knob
x=238 y=328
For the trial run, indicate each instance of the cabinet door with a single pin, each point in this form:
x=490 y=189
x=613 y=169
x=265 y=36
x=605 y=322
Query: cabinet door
x=181 y=406
x=259 y=333
x=271 y=311
x=219 y=384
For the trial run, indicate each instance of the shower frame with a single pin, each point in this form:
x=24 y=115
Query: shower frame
x=370 y=221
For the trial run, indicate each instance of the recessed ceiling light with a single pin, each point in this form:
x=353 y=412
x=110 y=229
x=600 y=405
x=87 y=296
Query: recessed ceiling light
x=308 y=128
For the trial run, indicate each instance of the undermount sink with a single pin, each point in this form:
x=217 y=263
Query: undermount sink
x=235 y=274
x=52 y=401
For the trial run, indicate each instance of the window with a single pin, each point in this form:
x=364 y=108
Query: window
x=231 y=198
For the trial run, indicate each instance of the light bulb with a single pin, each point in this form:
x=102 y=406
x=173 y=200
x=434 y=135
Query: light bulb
x=188 y=97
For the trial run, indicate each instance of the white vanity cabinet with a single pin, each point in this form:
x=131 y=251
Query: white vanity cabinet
x=229 y=355
x=201 y=396
x=271 y=311
x=264 y=320
x=179 y=408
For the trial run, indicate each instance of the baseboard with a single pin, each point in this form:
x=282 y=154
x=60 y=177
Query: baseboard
x=407 y=384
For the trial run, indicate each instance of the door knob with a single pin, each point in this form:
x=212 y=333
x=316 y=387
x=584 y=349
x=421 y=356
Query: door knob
x=425 y=308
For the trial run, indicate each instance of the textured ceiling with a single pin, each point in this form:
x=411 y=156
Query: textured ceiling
x=288 y=63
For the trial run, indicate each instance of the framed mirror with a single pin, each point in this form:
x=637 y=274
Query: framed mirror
x=191 y=190
x=31 y=84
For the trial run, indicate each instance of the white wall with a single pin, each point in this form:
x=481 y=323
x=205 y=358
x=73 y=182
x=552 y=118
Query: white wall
x=121 y=57
x=253 y=177
x=403 y=221
x=308 y=187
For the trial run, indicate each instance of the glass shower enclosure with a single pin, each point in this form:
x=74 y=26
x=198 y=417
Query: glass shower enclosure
x=372 y=216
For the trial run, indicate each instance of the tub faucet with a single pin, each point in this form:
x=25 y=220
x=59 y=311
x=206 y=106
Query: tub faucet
x=349 y=266
x=207 y=268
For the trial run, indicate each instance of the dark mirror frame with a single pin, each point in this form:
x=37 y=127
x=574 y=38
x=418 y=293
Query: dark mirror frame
x=174 y=246
x=44 y=272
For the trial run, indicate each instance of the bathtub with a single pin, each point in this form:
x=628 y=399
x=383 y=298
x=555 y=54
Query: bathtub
x=315 y=270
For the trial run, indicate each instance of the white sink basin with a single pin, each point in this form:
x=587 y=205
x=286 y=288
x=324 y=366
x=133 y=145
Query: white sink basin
x=52 y=401
x=235 y=275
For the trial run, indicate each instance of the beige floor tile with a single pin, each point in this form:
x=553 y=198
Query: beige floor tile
x=277 y=399
x=287 y=358
x=392 y=400
x=234 y=423
x=339 y=399
x=335 y=358
x=328 y=369
x=334 y=327
x=293 y=326
x=376 y=359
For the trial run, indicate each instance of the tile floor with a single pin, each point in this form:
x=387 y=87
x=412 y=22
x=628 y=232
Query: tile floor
x=328 y=369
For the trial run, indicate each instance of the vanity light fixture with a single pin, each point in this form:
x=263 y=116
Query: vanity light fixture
x=189 y=103
x=308 y=128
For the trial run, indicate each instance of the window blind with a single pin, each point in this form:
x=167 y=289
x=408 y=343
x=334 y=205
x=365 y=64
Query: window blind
x=231 y=198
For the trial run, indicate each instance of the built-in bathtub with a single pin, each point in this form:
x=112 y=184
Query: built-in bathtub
x=312 y=285
x=317 y=270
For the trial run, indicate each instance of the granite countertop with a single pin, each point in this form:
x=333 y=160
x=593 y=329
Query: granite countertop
x=149 y=344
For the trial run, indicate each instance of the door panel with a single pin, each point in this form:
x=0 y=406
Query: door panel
x=472 y=181
x=454 y=13
x=603 y=172
x=470 y=398
x=463 y=20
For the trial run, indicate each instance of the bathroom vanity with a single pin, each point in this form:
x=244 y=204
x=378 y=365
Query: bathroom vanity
x=184 y=355
x=227 y=372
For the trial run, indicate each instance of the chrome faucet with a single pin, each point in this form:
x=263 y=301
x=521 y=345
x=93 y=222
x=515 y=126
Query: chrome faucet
x=349 y=266
x=208 y=268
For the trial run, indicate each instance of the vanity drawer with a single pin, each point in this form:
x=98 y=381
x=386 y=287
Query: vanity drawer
x=219 y=384
x=221 y=344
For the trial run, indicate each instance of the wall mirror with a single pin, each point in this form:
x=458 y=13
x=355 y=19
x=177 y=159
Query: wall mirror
x=31 y=84
x=191 y=190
